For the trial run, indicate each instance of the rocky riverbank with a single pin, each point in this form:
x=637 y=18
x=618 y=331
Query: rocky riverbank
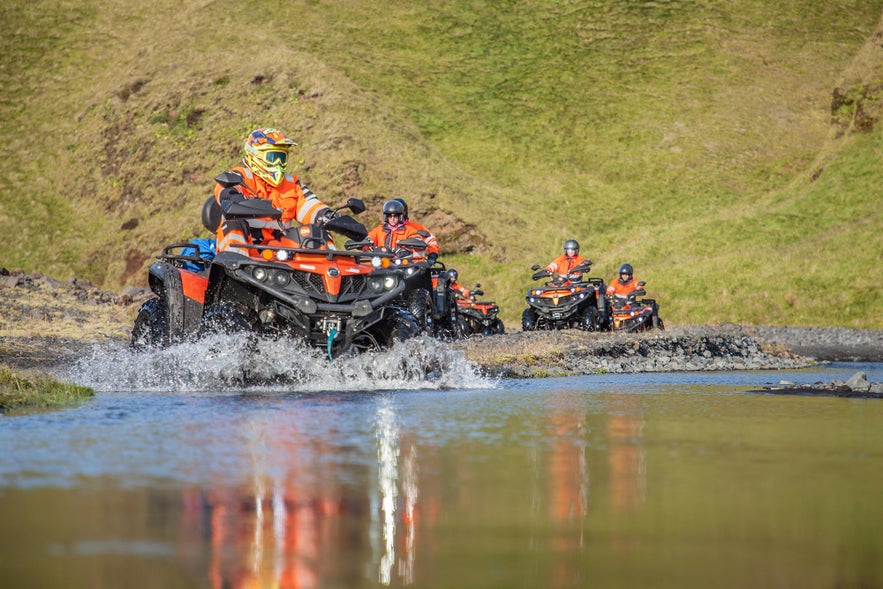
x=47 y=322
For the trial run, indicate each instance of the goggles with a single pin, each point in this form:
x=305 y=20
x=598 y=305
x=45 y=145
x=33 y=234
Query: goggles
x=276 y=157
x=570 y=250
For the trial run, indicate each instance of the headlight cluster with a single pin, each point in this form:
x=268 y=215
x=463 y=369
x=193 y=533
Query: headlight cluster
x=277 y=277
x=377 y=284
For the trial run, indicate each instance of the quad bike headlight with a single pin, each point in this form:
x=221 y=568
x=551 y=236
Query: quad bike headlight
x=259 y=273
x=382 y=283
x=281 y=278
x=282 y=255
x=375 y=283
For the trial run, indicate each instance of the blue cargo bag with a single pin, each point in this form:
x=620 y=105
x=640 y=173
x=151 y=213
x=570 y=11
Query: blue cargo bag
x=206 y=249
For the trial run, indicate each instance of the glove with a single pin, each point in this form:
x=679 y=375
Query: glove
x=326 y=216
x=431 y=258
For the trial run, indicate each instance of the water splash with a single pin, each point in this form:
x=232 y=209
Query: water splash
x=219 y=363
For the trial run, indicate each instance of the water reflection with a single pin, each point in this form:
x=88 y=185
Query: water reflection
x=280 y=528
x=627 y=483
x=547 y=484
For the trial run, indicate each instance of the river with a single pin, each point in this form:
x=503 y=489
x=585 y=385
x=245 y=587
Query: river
x=412 y=470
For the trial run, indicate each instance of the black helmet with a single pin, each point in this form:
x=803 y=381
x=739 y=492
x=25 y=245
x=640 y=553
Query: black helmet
x=452 y=274
x=571 y=244
x=404 y=204
x=626 y=269
x=393 y=207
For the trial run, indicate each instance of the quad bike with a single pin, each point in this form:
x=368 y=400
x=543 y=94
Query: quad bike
x=479 y=316
x=630 y=314
x=564 y=303
x=428 y=295
x=298 y=286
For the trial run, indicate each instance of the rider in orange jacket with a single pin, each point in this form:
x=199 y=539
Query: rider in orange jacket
x=566 y=262
x=460 y=291
x=625 y=285
x=263 y=173
x=396 y=226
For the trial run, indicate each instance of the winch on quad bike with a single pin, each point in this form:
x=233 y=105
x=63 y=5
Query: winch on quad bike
x=299 y=286
x=566 y=301
x=428 y=295
x=478 y=317
x=627 y=313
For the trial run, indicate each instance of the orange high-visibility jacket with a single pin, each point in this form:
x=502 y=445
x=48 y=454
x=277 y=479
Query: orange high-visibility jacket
x=384 y=236
x=620 y=289
x=564 y=265
x=431 y=241
x=295 y=200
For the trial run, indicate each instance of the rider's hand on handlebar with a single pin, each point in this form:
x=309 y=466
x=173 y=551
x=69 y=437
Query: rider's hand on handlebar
x=325 y=216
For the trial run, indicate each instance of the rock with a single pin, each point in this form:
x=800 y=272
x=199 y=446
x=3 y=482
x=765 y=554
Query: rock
x=858 y=382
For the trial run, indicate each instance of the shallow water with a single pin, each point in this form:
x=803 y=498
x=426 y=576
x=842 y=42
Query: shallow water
x=416 y=471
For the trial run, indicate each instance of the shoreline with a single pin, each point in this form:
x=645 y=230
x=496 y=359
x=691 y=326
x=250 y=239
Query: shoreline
x=46 y=323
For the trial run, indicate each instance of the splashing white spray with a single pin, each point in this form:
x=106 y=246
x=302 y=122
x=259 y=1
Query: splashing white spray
x=219 y=363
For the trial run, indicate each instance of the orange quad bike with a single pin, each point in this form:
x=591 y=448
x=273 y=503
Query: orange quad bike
x=566 y=301
x=428 y=294
x=631 y=315
x=299 y=286
x=479 y=317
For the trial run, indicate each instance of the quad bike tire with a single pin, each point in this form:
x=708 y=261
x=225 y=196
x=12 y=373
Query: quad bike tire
x=529 y=320
x=151 y=329
x=418 y=303
x=657 y=323
x=398 y=328
x=590 y=319
x=497 y=327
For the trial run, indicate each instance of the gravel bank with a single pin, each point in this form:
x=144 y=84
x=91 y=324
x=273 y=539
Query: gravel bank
x=46 y=322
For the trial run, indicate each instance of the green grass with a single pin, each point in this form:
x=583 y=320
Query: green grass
x=678 y=135
x=40 y=391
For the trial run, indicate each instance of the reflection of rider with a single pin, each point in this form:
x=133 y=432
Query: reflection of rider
x=625 y=285
x=566 y=262
x=263 y=173
x=397 y=226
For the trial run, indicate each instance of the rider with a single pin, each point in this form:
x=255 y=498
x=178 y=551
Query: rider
x=566 y=262
x=397 y=226
x=263 y=172
x=460 y=291
x=625 y=285
x=424 y=232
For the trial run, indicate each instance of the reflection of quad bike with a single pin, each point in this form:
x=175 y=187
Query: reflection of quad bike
x=563 y=303
x=297 y=286
x=631 y=314
x=479 y=316
x=428 y=295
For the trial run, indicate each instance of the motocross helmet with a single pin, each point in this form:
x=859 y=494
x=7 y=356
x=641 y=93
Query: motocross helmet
x=571 y=244
x=625 y=269
x=266 y=154
x=404 y=204
x=453 y=275
x=394 y=207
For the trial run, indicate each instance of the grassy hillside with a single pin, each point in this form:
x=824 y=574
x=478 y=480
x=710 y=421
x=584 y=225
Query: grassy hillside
x=728 y=150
